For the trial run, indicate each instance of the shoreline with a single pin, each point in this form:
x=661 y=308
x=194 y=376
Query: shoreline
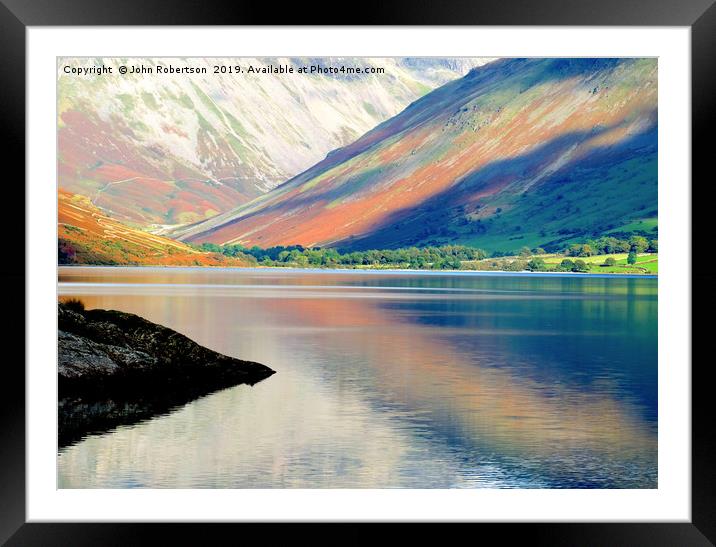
x=368 y=271
x=117 y=368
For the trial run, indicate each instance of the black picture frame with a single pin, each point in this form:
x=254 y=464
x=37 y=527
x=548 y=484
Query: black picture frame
x=17 y=15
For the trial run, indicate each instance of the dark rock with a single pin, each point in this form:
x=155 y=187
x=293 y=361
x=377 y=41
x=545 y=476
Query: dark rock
x=117 y=368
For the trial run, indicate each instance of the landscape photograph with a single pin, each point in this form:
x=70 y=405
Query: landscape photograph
x=344 y=272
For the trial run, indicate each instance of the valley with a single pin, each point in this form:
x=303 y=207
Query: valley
x=189 y=146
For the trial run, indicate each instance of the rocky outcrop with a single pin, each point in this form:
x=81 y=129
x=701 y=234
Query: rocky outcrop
x=117 y=368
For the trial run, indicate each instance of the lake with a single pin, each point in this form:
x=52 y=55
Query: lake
x=390 y=379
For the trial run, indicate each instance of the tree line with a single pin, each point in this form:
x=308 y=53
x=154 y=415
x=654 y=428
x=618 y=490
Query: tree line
x=447 y=257
x=612 y=245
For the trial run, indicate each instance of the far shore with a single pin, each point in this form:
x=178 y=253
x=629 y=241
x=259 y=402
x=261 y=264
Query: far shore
x=365 y=270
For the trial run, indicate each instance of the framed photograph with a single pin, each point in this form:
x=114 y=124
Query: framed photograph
x=407 y=270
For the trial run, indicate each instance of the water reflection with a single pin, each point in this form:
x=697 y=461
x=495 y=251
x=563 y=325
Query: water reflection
x=402 y=380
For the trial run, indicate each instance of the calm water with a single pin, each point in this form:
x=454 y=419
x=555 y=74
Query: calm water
x=391 y=380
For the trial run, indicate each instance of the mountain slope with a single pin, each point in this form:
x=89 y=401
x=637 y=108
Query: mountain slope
x=519 y=151
x=87 y=236
x=166 y=149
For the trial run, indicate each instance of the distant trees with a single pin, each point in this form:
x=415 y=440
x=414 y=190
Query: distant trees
x=609 y=245
x=448 y=263
x=515 y=266
x=580 y=249
x=568 y=265
x=638 y=244
x=573 y=250
x=612 y=245
x=447 y=257
x=537 y=265
x=444 y=257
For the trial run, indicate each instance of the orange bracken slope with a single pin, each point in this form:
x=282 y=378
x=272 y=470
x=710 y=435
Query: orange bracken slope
x=87 y=236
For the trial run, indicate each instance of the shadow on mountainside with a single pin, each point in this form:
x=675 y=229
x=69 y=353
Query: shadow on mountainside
x=543 y=204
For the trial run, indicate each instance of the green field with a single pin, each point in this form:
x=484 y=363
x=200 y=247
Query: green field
x=646 y=263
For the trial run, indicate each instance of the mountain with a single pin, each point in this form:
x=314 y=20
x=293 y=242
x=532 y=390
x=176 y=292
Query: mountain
x=518 y=152
x=87 y=236
x=159 y=149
